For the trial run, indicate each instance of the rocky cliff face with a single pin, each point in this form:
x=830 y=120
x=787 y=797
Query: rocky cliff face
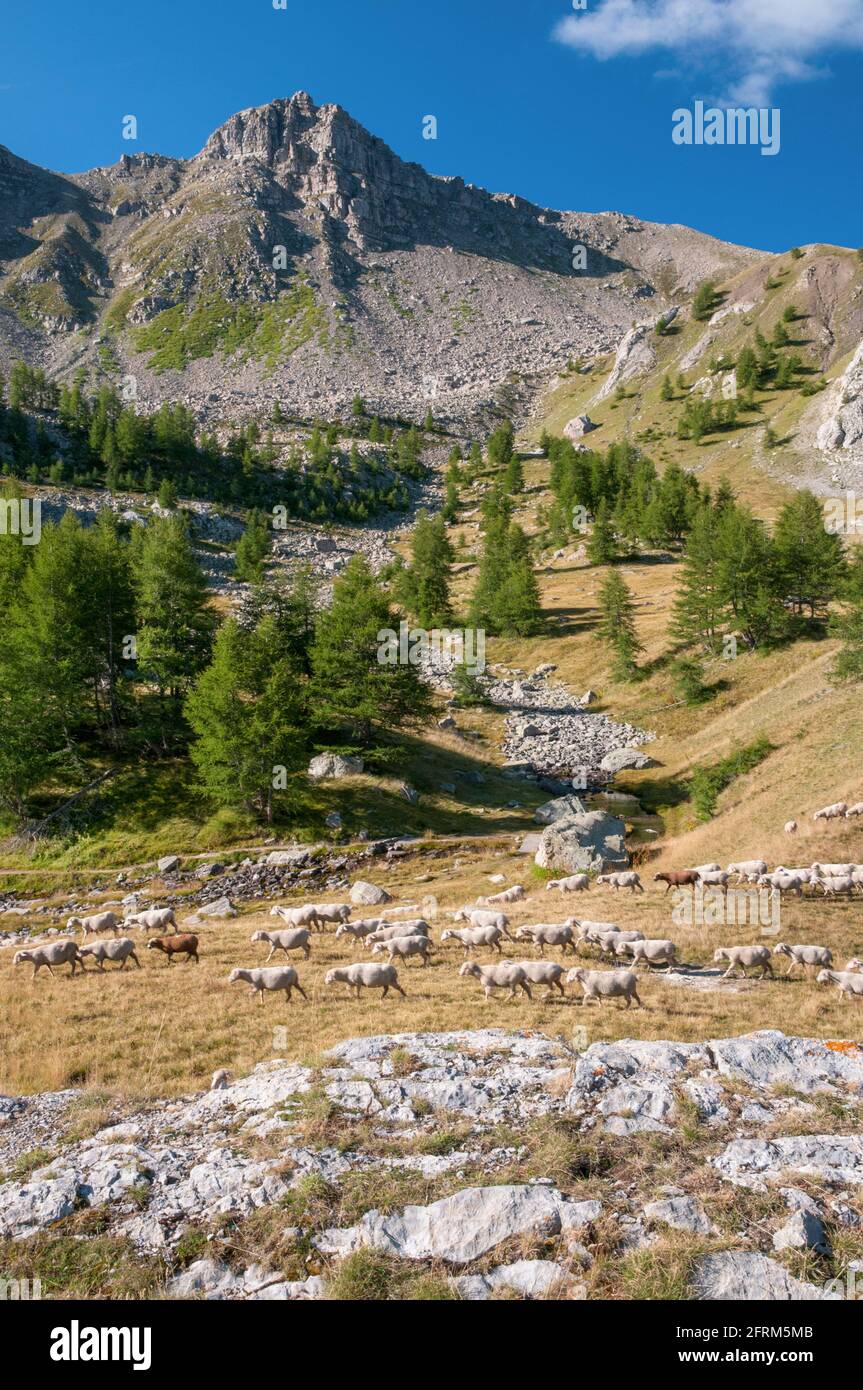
x=297 y=257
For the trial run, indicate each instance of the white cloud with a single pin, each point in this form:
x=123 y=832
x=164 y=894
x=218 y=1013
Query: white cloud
x=759 y=44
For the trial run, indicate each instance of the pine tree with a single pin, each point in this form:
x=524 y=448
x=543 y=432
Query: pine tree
x=809 y=558
x=253 y=548
x=174 y=624
x=602 y=546
x=247 y=713
x=667 y=390
x=353 y=682
x=424 y=585
x=517 y=610
x=500 y=445
x=513 y=478
x=698 y=614
x=617 y=625
x=847 y=624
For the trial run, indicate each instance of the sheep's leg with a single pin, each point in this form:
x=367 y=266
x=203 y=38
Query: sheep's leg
x=400 y=990
x=637 y=1000
x=270 y=956
x=728 y=971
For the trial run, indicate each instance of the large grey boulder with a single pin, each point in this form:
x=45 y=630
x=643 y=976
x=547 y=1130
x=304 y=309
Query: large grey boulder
x=368 y=894
x=332 y=765
x=622 y=759
x=529 y=1278
x=168 y=864
x=744 y=1275
x=561 y=808
x=681 y=1214
x=578 y=427
x=592 y=840
x=770 y=1058
x=802 y=1231
x=456 y=1229
x=221 y=909
x=833 y=1159
x=286 y=858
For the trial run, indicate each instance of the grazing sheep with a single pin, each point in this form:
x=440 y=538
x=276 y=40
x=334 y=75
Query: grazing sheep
x=707 y=868
x=359 y=930
x=803 y=955
x=332 y=912
x=478 y=918
x=716 y=878
x=54 y=953
x=418 y=928
x=854 y=964
x=544 y=934
x=582 y=926
x=404 y=946
x=831 y=870
x=504 y=976
x=790 y=827
x=835 y=884
x=629 y=879
x=543 y=972
x=651 y=952
x=606 y=984
x=276 y=978
x=155 y=919
x=120 y=948
x=221 y=1079
x=515 y=894
x=855 y=810
x=297 y=939
x=366 y=976
x=471 y=937
x=833 y=812
x=686 y=878
x=848 y=982
x=607 y=940
x=739 y=957
x=576 y=883
x=747 y=867
x=784 y=883
x=298 y=916
x=171 y=946
x=99 y=922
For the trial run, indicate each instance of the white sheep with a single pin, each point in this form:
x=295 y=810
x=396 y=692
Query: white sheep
x=716 y=878
x=515 y=894
x=783 y=883
x=360 y=930
x=576 y=883
x=273 y=979
x=332 y=912
x=396 y=929
x=746 y=867
x=790 y=827
x=741 y=957
x=98 y=922
x=221 y=1079
x=404 y=946
x=156 y=919
x=848 y=982
x=295 y=939
x=606 y=984
x=707 y=868
x=366 y=975
x=298 y=916
x=472 y=937
x=504 y=976
x=652 y=953
x=51 y=954
x=544 y=934
x=855 y=810
x=805 y=956
x=477 y=917
x=831 y=870
x=120 y=948
x=854 y=964
x=628 y=879
x=543 y=972
x=835 y=884
x=833 y=812
x=607 y=940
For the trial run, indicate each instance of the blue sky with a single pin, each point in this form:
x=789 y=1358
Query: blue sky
x=578 y=117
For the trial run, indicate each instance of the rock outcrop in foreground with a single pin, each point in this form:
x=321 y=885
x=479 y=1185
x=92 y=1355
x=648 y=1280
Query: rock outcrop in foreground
x=772 y=1118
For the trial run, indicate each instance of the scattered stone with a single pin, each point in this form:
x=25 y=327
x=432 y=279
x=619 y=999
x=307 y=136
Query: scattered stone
x=168 y=864
x=332 y=765
x=622 y=759
x=802 y=1231
x=681 y=1214
x=368 y=894
x=746 y=1276
x=594 y=840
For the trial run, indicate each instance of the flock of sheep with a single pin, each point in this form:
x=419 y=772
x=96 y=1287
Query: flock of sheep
x=483 y=927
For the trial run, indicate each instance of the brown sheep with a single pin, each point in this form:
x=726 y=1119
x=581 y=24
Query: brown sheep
x=686 y=878
x=175 y=945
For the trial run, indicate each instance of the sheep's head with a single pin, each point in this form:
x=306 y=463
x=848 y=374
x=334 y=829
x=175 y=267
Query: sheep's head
x=378 y=947
x=275 y=912
x=470 y=967
x=334 y=977
x=73 y=923
x=523 y=933
x=780 y=949
x=259 y=936
x=341 y=930
x=719 y=954
x=577 y=973
x=460 y=916
x=447 y=936
x=854 y=964
x=234 y=976
x=21 y=956
x=823 y=977
x=154 y=944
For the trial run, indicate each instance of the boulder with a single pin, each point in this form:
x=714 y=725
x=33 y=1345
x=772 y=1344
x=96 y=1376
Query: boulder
x=286 y=858
x=332 y=765
x=593 y=840
x=209 y=870
x=831 y=1159
x=589 y=697
x=220 y=908
x=368 y=894
x=578 y=427
x=802 y=1231
x=744 y=1275
x=530 y=1278
x=622 y=759
x=168 y=864
x=681 y=1214
x=333 y=821
x=559 y=809
x=410 y=794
